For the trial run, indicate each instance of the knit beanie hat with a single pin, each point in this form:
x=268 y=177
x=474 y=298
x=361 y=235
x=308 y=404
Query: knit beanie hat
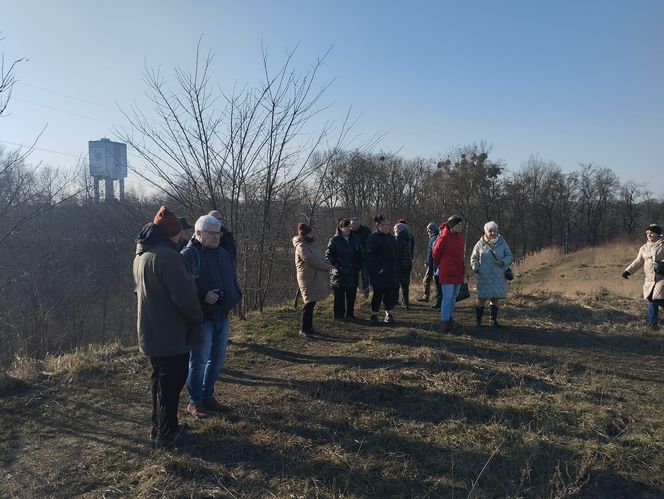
x=454 y=220
x=207 y=222
x=167 y=221
x=655 y=228
x=303 y=229
x=432 y=227
x=400 y=227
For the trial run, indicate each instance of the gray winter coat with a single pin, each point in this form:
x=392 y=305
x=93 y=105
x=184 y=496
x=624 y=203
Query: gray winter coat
x=491 y=282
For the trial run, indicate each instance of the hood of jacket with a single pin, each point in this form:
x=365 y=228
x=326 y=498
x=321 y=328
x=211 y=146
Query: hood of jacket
x=150 y=236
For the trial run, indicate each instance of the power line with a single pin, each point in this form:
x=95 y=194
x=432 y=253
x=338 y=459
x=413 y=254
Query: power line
x=63 y=111
x=40 y=149
x=62 y=94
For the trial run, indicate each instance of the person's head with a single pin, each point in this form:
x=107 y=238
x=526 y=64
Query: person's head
x=168 y=223
x=207 y=231
x=303 y=230
x=432 y=229
x=653 y=232
x=382 y=225
x=491 y=230
x=398 y=227
x=217 y=215
x=455 y=223
x=184 y=233
x=344 y=227
x=355 y=224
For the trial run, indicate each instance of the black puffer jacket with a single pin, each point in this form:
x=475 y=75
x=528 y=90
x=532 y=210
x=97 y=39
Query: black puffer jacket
x=345 y=256
x=382 y=260
x=405 y=247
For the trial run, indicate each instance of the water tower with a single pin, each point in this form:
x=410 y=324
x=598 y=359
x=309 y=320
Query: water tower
x=108 y=162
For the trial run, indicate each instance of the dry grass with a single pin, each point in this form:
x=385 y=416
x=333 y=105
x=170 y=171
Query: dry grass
x=566 y=401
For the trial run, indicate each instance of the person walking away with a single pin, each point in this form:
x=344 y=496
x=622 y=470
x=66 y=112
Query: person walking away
x=383 y=266
x=312 y=276
x=651 y=258
x=168 y=315
x=448 y=254
x=226 y=240
x=429 y=265
x=218 y=292
x=344 y=254
x=490 y=258
x=405 y=248
x=362 y=232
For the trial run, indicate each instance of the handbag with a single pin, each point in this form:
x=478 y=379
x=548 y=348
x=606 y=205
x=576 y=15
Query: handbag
x=509 y=274
x=659 y=267
x=464 y=292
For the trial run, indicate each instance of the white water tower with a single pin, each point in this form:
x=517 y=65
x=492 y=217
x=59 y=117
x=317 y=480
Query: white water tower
x=108 y=162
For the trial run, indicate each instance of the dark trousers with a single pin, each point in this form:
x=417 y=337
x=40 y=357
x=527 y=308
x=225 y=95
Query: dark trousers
x=404 y=286
x=384 y=295
x=169 y=374
x=439 y=292
x=308 y=317
x=344 y=302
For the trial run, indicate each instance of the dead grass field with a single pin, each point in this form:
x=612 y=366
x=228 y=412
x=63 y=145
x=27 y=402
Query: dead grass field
x=566 y=400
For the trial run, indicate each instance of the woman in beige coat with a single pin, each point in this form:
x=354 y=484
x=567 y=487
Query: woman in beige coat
x=651 y=258
x=312 y=276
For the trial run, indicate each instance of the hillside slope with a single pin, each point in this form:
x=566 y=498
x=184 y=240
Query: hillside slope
x=566 y=400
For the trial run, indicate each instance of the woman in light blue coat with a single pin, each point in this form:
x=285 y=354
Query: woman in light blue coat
x=490 y=258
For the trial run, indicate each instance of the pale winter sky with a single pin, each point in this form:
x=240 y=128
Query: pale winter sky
x=574 y=81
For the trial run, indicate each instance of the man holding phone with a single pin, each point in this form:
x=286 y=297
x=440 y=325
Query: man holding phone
x=218 y=292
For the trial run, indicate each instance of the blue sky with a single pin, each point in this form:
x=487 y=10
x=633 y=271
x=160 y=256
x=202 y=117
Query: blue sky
x=573 y=81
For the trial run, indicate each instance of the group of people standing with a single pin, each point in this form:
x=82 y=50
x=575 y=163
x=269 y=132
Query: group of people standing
x=185 y=288
x=384 y=260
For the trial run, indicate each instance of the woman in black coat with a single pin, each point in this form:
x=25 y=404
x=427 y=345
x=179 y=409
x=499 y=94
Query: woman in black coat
x=344 y=253
x=383 y=267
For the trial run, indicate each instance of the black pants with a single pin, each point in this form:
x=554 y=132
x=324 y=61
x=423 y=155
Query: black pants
x=404 y=285
x=384 y=295
x=308 y=317
x=169 y=374
x=344 y=302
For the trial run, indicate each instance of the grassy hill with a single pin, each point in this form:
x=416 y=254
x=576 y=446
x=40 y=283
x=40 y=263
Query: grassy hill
x=565 y=401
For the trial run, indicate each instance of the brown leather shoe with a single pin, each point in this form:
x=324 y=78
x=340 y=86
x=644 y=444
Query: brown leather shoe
x=197 y=410
x=212 y=404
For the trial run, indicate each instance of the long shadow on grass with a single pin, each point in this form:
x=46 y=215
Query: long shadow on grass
x=629 y=344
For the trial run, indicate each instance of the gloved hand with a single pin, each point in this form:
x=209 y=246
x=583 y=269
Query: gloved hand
x=625 y=275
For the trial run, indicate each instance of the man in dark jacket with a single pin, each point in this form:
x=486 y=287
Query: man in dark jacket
x=430 y=266
x=344 y=253
x=168 y=312
x=218 y=292
x=405 y=253
x=362 y=232
x=383 y=266
x=226 y=240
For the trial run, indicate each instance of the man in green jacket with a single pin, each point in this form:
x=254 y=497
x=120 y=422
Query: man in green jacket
x=168 y=313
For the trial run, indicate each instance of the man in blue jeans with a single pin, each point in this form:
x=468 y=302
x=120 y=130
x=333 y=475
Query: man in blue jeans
x=218 y=292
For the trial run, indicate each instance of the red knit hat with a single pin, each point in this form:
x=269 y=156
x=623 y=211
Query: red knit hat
x=167 y=221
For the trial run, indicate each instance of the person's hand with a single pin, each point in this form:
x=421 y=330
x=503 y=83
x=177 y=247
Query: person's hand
x=625 y=275
x=381 y=271
x=212 y=296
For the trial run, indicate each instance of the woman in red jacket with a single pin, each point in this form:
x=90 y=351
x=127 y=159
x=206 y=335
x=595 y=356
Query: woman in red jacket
x=448 y=253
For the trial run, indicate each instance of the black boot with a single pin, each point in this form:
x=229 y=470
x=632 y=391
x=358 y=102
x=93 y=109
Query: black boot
x=479 y=312
x=494 y=316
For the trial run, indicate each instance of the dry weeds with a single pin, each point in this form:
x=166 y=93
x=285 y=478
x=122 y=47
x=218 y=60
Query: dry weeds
x=565 y=401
